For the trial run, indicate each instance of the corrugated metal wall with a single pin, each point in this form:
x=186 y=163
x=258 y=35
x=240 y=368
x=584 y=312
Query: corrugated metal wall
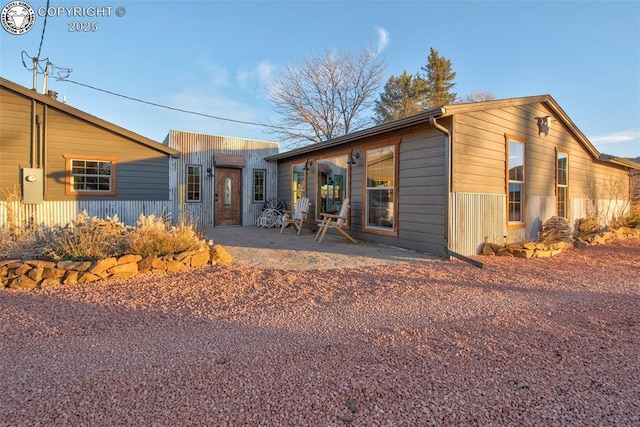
x=603 y=210
x=480 y=217
x=474 y=218
x=200 y=149
x=62 y=212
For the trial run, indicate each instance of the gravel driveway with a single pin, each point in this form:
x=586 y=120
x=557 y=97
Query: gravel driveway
x=522 y=342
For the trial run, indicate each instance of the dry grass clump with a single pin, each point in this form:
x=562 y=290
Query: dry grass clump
x=91 y=238
x=633 y=219
x=87 y=238
x=154 y=235
x=588 y=225
x=29 y=242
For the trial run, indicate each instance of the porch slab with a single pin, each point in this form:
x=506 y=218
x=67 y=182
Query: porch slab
x=266 y=248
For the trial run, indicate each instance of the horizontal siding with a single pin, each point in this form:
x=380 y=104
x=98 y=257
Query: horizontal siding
x=15 y=138
x=479 y=155
x=141 y=172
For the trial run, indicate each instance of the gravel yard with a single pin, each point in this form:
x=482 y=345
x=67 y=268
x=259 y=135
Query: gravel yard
x=521 y=342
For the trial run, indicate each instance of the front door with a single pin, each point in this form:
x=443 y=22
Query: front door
x=228 y=196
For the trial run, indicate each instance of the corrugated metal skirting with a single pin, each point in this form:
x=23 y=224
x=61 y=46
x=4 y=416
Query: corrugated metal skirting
x=61 y=213
x=476 y=217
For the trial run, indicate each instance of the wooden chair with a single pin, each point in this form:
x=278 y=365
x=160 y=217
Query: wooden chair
x=335 y=222
x=298 y=216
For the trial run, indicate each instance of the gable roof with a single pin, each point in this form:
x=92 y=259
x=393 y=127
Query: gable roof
x=54 y=103
x=451 y=110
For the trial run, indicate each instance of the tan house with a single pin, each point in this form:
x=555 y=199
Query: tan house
x=457 y=176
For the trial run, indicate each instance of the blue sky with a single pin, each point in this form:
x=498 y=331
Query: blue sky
x=219 y=57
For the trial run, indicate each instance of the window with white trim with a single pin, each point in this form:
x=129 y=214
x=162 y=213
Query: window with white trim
x=90 y=176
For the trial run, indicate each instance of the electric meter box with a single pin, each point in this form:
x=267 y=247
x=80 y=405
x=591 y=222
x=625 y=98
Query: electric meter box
x=32 y=185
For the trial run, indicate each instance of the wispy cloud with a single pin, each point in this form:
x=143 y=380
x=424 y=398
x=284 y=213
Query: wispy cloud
x=624 y=143
x=217 y=76
x=256 y=78
x=383 y=38
x=218 y=106
x=617 y=137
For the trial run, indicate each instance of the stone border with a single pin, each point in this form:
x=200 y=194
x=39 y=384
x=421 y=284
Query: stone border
x=33 y=274
x=542 y=250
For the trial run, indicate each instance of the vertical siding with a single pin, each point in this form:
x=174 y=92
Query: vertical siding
x=200 y=149
x=476 y=218
x=538 y=209
x=603 y=210
x=52 y=213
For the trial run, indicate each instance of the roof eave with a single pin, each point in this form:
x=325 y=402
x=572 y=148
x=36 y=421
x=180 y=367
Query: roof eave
x=365 y=133
x=620 y=161
x=54 y=103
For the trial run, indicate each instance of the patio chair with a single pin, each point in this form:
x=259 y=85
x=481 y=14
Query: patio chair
x=298 y=216
x=334 y=221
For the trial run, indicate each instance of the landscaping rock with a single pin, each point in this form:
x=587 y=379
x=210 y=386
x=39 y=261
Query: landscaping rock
x=103 y=265
x=74 y=265
x=128 y=259
x=22 y=282
x=119 y=269
x=175 y=265
x=200 y=258
x=146 y=263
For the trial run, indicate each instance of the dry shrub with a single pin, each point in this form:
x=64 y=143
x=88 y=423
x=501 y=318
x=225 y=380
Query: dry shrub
x=220 y=255
x=154 y=235
x=633 y=219
x=87 y=238
x=588 y=225
x=28 y=242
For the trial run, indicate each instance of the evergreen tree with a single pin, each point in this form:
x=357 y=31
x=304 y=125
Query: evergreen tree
x=403 y=96
x=439 y=79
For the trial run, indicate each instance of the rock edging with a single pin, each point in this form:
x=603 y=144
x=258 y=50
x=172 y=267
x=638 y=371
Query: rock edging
x=32 y=274
x=547 y=250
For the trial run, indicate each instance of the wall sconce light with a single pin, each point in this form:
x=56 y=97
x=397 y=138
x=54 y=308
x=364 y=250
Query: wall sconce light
x=351 y=160
x=209 y=172
x=544 y=125
x=307 y=164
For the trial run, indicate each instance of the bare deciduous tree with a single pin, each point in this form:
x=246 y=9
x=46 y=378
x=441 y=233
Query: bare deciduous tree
x=323 y=97
x=477 y=96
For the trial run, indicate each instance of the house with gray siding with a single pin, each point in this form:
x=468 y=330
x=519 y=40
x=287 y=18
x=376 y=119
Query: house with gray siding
x=62 y=161
x=454 y=177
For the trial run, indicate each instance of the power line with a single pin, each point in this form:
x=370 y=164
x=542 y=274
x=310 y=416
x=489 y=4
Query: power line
x=44 y=27
x=170 y=108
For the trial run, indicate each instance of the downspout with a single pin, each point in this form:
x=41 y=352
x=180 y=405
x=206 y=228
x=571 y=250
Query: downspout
x=44 y=147
x=35 y=130
x=448 y=185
